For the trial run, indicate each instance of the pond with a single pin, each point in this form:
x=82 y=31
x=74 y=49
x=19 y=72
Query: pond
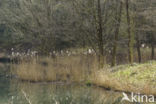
x=13 y=91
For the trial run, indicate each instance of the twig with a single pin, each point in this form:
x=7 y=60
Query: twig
x=25 y=95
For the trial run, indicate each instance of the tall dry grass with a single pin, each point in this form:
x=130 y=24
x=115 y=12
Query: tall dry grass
x=62 y=68
x=84 y=68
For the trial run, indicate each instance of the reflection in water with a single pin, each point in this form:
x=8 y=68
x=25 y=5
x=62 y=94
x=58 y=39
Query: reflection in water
x=17 y=92
x=56 y=94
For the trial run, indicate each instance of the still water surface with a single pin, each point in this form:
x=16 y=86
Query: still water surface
x=15 y=92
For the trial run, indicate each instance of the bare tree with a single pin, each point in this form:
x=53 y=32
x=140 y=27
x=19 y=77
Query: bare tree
x=130 y=35
x=35 y=22
x=116 y=35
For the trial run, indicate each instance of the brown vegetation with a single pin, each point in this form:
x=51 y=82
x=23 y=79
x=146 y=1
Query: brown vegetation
x=65 y=68
x=84 y=69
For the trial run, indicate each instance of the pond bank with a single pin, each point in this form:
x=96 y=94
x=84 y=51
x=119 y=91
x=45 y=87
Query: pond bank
x=138 y=78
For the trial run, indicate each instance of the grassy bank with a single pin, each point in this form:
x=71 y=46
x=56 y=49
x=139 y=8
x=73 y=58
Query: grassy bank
x=139 y=78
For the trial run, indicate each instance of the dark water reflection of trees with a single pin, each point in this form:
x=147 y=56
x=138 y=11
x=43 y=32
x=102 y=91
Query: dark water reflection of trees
x=41 y=93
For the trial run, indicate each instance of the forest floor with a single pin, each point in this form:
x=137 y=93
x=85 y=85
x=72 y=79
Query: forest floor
x=138 y=78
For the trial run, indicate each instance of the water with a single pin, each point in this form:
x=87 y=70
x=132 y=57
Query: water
x=13 y=91
x=16 y=92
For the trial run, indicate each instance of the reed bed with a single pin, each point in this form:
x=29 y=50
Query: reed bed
x=63 y=68
x=139 y=78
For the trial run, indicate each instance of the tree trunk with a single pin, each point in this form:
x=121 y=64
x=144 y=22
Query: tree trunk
x=152 y=46
x=138 y=48
x=118 y=18
x=138 y=43
x=100 y=36
x=130 y=36
x=152 y=54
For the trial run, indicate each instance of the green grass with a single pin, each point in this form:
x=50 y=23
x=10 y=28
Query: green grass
x=139 y=78
x=141 y=73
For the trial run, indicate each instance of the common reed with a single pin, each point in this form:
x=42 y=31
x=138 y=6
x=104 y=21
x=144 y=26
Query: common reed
x=62 y=68
x=83 y=69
